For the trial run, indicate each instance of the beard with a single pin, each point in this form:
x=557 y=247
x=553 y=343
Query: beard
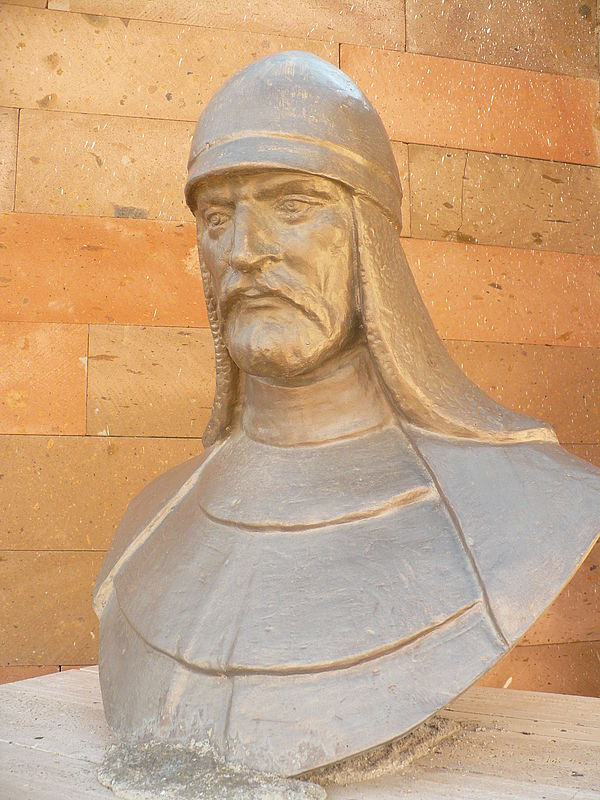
x=271 y=337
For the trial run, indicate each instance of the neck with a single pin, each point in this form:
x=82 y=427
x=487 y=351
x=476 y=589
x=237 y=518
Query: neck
x=345 y=399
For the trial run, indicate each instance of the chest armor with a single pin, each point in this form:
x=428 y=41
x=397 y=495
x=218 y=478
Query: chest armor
x=310 y=583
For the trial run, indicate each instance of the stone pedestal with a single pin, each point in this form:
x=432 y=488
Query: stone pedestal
x=508 y=744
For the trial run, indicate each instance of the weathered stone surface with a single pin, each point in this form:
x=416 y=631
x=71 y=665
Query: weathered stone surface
x=557 y=384
x=30 y=3
x=103 y=166
x=125 y=67
x=68 y=493
x=557 y=36
x=501 y=294
x=43 y=378
x=47 y=615
x=90 y=269
x=574 y=615
x=379 y=23
x=452 y=103
x=491 y=199
x=12 y=674
x=561 y=668
x=589 y=452
x=9 y=122
x=149 y=381
x=156 y=769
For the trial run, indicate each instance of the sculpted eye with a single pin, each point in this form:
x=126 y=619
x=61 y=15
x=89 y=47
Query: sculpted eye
x=292 y=207
x=214 y=219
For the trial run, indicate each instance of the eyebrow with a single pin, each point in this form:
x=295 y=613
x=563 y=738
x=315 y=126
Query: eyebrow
x=208 y=198
x=217 y=197
x=293 y=186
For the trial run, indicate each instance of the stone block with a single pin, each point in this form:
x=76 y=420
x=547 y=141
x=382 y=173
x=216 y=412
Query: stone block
x=463 y=104
x=93 y=269
x=12 y=674
x=501 y=294
x=9 y=124
x=149 y=381
x=102 y=166
x=589 y=452
x=117 y=66
x=570 y=668
x=69 y=492
x=43 y=378
x=492 y=199
x=30 y=3
x=380 y=24
x=560 y=385
x=553 y=37
x=47 y=613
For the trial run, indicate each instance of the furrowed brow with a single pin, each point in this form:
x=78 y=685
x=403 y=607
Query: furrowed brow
x=295 y=186
x=208 y=198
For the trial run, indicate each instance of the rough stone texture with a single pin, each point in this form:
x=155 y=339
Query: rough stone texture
x=568 y=668
x=69 y=492
x=12 y=674
x=42 y=381
x=387 y=759
x=379 y=23
x=47 y=616
x=557 y=384
x=452 y=103
x=493 y=199
x=103 y=166
x=9 y=122
x=556 y=36
x=125 y=67
x=90 y=269
x=149 y=381
x=508 y=295
x=152 y=770
x=589 y=452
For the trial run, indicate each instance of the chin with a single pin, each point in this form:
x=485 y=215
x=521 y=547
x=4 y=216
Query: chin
x=277 y=351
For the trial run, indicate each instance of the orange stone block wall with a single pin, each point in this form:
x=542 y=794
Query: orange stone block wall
x=106 y=362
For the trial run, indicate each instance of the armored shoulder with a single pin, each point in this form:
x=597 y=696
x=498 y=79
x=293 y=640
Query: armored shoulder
x=154 y=501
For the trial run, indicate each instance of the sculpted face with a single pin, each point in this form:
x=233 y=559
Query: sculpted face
x=280 y=249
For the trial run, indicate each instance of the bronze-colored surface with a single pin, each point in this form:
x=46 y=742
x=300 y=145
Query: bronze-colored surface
x=367 y=532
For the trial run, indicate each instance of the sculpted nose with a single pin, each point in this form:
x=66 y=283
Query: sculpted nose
x=248 y=248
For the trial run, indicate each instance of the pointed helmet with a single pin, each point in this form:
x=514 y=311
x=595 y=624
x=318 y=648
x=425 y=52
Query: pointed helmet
x=295 y=111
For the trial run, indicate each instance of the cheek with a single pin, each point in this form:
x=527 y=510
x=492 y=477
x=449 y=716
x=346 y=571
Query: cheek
x=213 y=252
x=323 y=244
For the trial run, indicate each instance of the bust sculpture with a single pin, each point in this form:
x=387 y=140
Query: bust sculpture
x=366 y=532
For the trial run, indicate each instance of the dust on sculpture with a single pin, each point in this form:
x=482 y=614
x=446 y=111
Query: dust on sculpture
x=367 y=532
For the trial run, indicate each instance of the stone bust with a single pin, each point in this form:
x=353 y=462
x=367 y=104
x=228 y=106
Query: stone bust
x=366 y=532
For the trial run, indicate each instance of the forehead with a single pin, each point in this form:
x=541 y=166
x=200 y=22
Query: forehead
x=266 y=184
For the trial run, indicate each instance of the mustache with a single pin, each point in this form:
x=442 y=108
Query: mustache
x=312 y=304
